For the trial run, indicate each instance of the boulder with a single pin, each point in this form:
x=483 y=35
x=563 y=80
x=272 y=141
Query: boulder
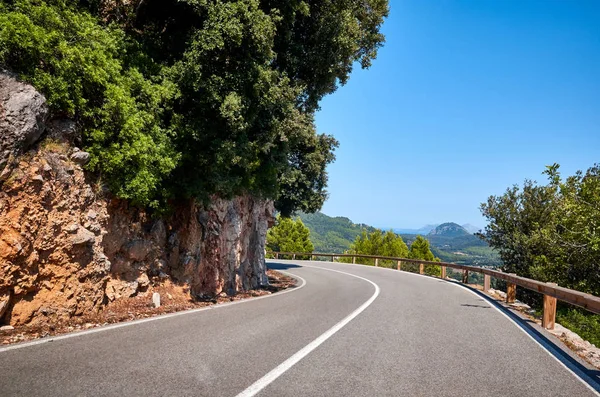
x=23 y=114
x=83 y=237
x=80 y=157
x=138 y=250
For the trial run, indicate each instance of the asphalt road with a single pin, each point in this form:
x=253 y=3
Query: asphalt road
x=381 y=333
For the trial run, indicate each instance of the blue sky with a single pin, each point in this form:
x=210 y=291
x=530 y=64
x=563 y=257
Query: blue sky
x=465 y=99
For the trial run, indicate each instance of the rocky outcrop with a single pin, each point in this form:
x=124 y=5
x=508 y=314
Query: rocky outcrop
x=68 y=248
x=23 y=113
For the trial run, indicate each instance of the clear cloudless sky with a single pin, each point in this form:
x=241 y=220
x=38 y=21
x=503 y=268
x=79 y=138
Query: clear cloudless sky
x=465 y=99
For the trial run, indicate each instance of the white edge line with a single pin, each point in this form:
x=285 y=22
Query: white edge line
x=457 y=284
x=263 y=382
x=155 y=318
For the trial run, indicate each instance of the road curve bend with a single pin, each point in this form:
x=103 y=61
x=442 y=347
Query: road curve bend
x=348 y=331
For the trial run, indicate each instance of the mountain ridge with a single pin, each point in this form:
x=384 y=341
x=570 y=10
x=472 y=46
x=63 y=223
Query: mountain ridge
x=449 y=229
x=336 y=234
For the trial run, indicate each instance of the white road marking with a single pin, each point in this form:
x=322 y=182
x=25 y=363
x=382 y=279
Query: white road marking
x=263 y=382
x=457 y=284
x=156 y=318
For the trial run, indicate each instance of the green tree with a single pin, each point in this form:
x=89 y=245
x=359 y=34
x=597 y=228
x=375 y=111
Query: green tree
x=550 y=232
x=194 y=98
x=289 y=235
x=378 y=243
x=420 y=249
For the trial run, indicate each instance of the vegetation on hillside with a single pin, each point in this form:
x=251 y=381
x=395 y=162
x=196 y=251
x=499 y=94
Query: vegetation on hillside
x=289 y=235
x=189 y=99
x=336 y=234
x=465 y=249
x=332 y=234
x=551 y=233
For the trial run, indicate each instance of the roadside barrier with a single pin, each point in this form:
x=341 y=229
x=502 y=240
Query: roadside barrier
x=550 y=291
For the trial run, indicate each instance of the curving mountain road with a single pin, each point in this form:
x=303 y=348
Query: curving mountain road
x=345 y=331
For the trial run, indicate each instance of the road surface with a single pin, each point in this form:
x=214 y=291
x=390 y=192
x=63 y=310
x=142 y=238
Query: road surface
x=344 y=331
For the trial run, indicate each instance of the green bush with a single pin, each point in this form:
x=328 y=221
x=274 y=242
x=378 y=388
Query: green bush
x=79 y=65
x=585 y=324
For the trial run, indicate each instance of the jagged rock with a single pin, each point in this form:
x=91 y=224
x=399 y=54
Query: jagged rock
x=7 y=328
x=62 y=129
x=104 y=265
x=80 y=157
x=143 y=280
x=72 y=228
x=211 y=250
x=38 y=178
x=83 y=237
x=4 y=302
x=159 y=232
x=139 y=249
x=23 y=113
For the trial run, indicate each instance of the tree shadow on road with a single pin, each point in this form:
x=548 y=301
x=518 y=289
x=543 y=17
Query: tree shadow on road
x=282 y=266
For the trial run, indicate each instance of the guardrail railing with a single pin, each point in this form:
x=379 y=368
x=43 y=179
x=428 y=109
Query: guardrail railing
x=550 y=291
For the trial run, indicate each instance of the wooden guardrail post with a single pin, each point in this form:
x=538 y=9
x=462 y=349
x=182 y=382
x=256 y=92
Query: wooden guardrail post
x=511 y=292
x=399 y=265
x=293 y=256
x=549 y=315
x=486 y=282
x=421 y=268
x=354 y=259
x=465 y=277
x=277 y=255
x=332 y=258
x=443 y=275
x=312 y=257
x=376 y=262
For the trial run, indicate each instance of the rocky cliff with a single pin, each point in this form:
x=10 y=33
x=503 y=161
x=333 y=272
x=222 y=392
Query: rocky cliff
x=68 y=248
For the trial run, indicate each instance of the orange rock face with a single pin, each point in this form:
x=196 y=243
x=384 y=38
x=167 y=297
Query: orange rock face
x=67 y=248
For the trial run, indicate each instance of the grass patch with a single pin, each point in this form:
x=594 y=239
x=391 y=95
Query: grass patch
x=54 y=146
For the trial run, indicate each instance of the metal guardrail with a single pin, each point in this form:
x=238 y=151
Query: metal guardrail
x=551 y=291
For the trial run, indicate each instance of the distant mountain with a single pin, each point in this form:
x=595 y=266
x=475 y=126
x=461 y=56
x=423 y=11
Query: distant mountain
x=470 y=228
x=449 y=241
x=422 y=231
x=449 y=229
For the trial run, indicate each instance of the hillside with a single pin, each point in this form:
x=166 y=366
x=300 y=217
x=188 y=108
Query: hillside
x=449 y=229
x=331 y=234
x=449 y=241
x=453 y=243
x=471 y=228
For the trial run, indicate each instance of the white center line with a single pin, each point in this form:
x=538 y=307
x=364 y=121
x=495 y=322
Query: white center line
x=263 y=382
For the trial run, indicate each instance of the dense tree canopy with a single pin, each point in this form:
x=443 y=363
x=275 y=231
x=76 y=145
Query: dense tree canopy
x=378 y=243
x=550 y=232
x=289 y=235
x=191 y=98
x=419 y=249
